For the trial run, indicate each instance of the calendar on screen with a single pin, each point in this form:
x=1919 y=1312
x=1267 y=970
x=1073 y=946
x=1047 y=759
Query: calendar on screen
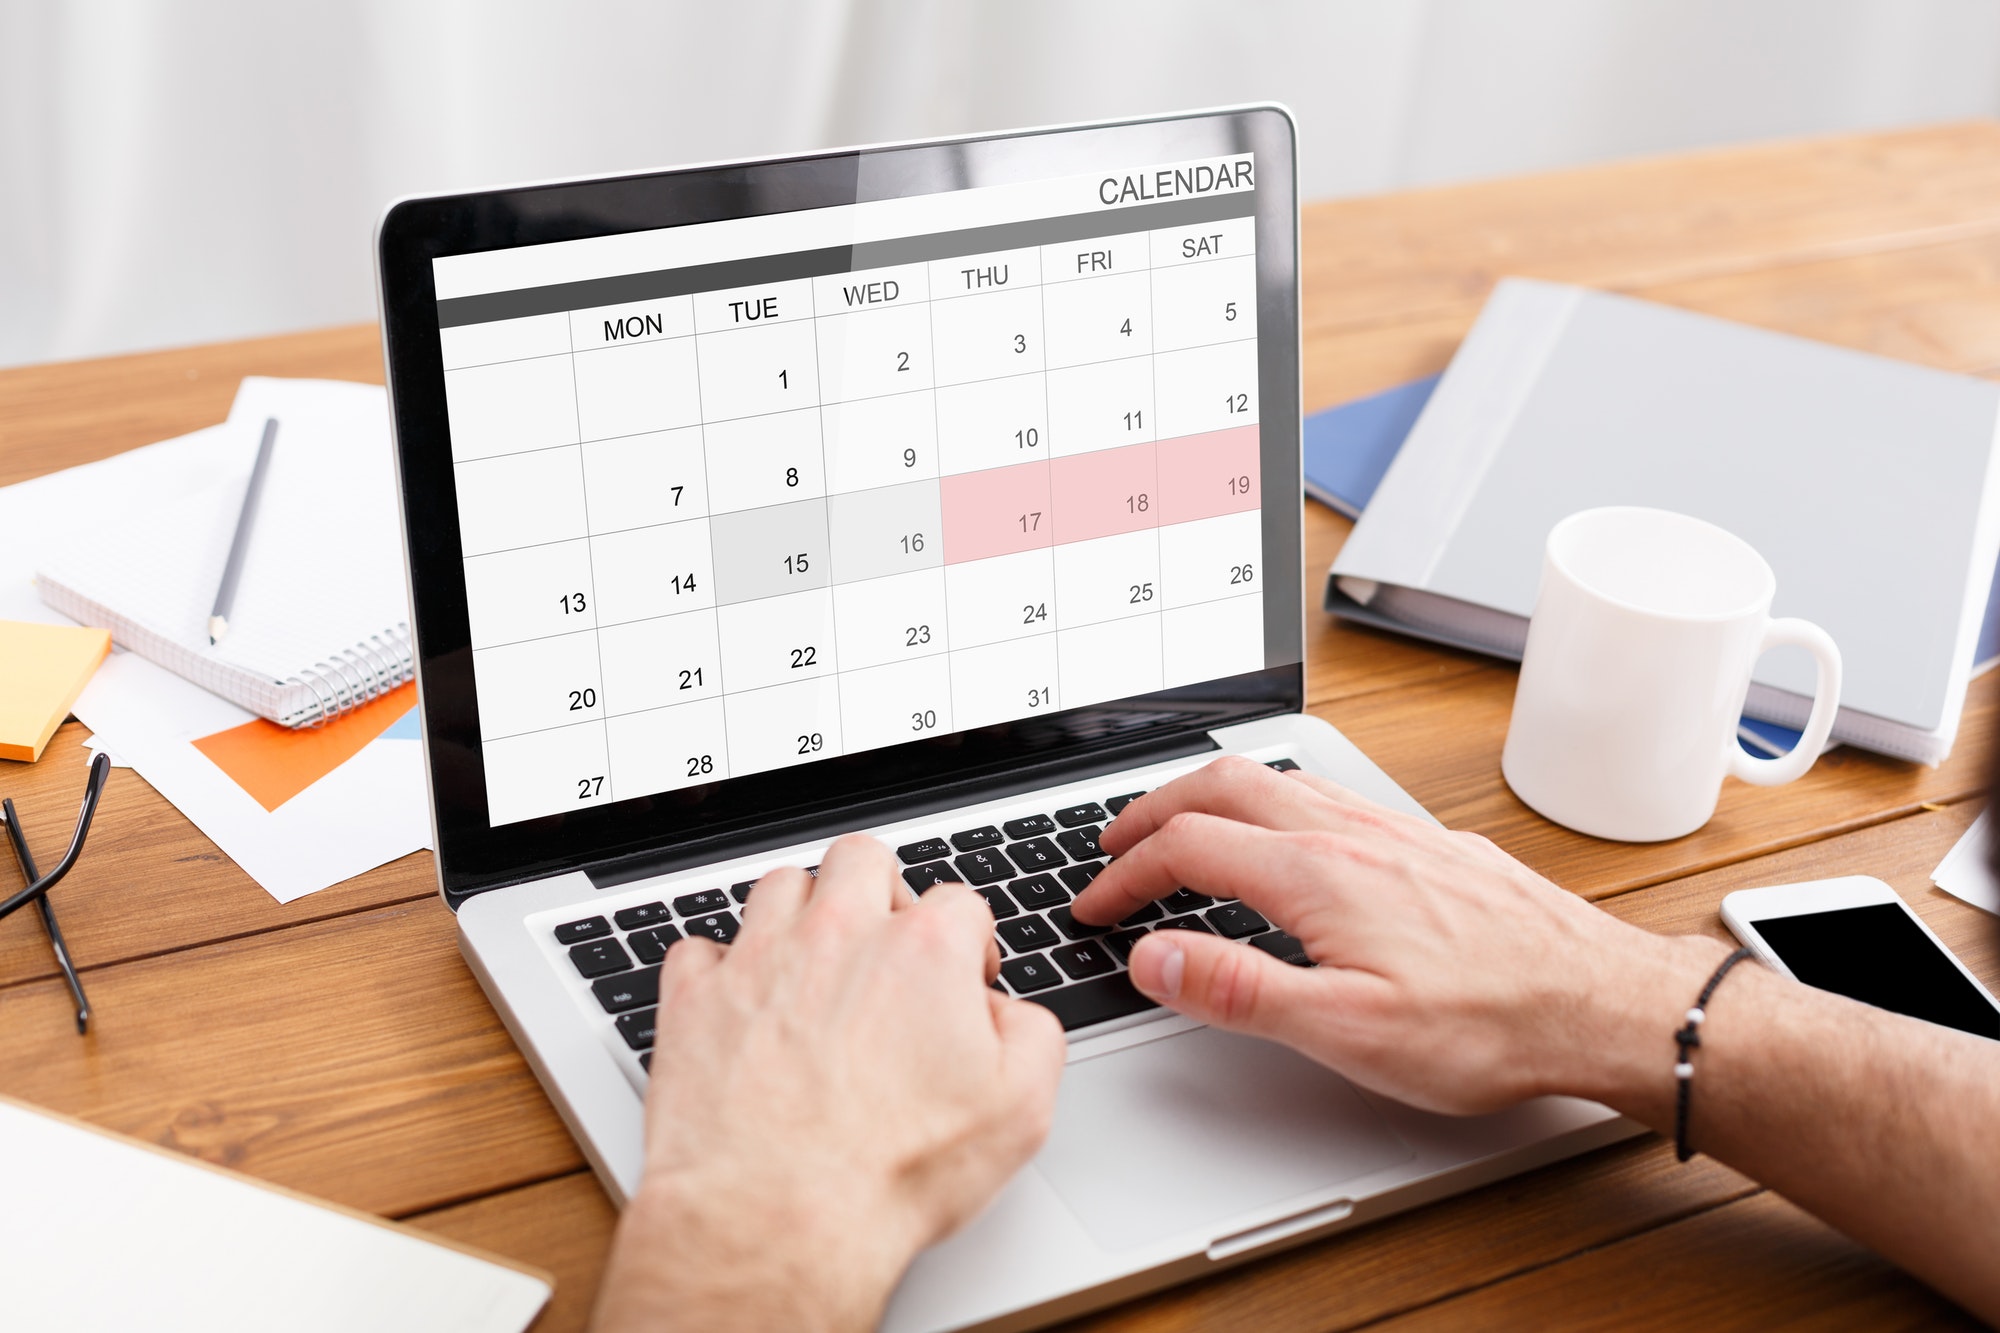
x=758 y=492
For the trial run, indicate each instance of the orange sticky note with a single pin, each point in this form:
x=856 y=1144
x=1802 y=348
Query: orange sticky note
x=274 y=764
x=42 y=670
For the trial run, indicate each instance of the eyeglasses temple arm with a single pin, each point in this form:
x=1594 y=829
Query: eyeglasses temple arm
x=68 y=966
x=100 y=769
x=56 y=941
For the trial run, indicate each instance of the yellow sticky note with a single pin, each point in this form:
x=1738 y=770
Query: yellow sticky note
x=42 y=670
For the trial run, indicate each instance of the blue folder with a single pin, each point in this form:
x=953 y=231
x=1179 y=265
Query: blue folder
x=1349 y=447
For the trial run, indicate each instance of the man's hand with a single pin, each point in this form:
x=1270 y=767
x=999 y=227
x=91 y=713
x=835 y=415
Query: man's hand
x=836 y=1090
x=1453 y=977
x=1450 y=975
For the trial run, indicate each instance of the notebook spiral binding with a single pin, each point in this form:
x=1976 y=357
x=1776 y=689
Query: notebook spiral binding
x=347 y=680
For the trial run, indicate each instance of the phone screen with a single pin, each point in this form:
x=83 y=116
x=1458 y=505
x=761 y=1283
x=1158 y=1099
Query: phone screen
x=1878 y=955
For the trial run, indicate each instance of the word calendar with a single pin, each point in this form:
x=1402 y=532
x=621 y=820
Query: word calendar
x=777 y=507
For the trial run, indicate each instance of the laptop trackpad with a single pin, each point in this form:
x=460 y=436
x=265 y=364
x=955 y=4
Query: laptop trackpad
x=1174 y=1135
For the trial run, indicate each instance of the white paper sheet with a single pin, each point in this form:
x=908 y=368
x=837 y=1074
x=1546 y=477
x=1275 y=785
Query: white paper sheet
x=103 y=1235
x=369 y=811
x=97 y=747
x=66 y=507
x=1966 y=871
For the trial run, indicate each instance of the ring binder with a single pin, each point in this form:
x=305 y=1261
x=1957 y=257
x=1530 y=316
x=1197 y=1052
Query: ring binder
x=350 y=678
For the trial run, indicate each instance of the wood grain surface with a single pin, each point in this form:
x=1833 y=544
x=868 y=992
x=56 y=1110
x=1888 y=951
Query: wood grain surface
x=339 y=1046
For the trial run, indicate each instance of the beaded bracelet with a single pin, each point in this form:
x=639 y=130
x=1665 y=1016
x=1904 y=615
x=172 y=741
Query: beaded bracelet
x=1688 y=1038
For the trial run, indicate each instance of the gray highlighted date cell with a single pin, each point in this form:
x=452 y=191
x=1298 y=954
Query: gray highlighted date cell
x=888 y=530
x=771 y=551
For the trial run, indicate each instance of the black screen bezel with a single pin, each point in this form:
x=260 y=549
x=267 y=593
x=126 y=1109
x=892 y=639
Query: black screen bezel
x=474 y=855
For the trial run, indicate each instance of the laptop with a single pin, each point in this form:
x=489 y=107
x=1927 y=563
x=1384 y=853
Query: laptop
x=944 y=491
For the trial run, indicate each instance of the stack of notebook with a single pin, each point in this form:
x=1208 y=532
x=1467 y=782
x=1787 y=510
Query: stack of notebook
x=320 y=623
x=1870 y=485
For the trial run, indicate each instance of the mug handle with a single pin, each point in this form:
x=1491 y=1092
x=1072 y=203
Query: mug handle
x=1826 y=702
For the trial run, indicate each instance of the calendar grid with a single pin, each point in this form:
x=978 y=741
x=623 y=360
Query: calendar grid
x=1055 y=588
x=1153 y=382
x=636 y=712
x=1078 y=365
x=497 y=361
x=611 y=712
x=937 y=429
x=826 y=472
x=597 y=647
x=886 y=544
x=701 y=413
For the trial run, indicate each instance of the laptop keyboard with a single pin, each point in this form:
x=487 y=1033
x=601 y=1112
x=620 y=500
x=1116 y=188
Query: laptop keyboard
x=1028 y=870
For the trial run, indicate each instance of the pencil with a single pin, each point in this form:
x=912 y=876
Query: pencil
x=225 y=596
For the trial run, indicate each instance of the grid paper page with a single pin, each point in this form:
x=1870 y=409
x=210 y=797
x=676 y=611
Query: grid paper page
x=322 y=573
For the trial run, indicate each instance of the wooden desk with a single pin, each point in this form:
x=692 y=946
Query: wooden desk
x=339 y=1046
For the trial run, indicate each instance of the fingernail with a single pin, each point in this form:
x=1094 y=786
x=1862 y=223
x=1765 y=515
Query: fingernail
x=1171 y=967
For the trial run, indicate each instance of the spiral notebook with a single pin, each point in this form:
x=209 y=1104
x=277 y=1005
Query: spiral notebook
x=320 y=623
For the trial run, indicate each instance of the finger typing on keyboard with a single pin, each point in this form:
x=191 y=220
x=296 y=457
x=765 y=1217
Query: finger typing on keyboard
x=838 y=1081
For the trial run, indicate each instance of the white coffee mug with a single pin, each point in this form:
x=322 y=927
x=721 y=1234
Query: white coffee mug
x=1639 y=653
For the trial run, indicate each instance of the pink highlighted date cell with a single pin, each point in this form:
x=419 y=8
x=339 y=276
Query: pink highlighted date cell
x=996 y=512
x=1081 y=497
x=1207 y=476
x=1104 y=493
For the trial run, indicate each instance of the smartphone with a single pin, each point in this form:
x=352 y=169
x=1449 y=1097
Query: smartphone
x=1857 y=937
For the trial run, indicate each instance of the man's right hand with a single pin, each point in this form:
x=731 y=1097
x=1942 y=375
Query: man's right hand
x=1450 y=975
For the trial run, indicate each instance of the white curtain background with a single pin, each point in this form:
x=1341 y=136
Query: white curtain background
x=186 y=170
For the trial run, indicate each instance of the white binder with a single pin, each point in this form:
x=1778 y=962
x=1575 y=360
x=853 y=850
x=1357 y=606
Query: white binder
x=1869 y=484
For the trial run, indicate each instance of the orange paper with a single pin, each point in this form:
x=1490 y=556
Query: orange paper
x=274 y=764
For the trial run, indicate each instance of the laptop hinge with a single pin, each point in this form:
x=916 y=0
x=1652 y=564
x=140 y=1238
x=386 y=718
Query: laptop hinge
x=861 y=814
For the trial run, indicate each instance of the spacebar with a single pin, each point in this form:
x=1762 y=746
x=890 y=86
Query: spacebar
x=1093 y=1001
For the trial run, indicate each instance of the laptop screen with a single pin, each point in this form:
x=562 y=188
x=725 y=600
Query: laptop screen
x=756 y=492
x=753 y=493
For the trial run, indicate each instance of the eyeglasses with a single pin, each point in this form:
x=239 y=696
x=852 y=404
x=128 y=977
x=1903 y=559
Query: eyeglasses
x=39 y=884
